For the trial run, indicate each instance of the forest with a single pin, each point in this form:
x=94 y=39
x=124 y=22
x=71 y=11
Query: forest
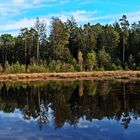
x=68 y=47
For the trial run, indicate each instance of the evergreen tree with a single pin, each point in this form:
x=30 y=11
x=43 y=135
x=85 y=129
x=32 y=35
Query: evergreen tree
x=124 y=25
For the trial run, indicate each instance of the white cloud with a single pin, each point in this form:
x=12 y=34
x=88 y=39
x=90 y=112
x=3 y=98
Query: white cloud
x=64 y=2
x=17 y=7
x=18 y=1
x=9 y=8
x=14 y=27
x=132 y=17
x=19 y=24
x=85 y=2
x=80 y=16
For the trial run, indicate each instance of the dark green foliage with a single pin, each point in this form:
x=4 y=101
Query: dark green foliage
x=67 y=47
x=104 y=59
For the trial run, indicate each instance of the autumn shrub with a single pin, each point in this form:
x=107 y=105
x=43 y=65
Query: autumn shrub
x=126 y=67
x=115 y=67
x=66 y=68
x=1 y=69
x=101 y=69
x=58 y=66
x=37 y=69
x=91 y=63
x=14 y=68
x=104 y=59
x=54 y=66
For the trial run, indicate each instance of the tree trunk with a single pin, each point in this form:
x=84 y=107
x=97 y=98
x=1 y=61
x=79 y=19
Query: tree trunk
x=123 y=50
x=37 y=51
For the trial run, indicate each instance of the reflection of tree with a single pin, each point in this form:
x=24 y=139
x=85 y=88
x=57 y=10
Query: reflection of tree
x=26 y=113
x=81 y=88
x=104 y=87
x=126 y=119
x=125 y=116
x=9 y=105
x=91 y=88
x=71 y=101
x=35 y=107
x=43 y=115
x=60 y=104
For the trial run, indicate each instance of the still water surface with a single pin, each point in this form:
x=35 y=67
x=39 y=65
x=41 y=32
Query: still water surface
x=84 y=110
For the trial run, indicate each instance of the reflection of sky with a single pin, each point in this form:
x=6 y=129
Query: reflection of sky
x=13 y=126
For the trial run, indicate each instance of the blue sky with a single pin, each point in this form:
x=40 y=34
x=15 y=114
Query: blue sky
x=16 y=14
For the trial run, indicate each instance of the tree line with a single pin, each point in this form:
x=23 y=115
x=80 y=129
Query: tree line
x=65 y=46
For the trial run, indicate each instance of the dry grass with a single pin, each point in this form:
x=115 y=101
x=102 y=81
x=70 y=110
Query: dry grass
x=104 y=75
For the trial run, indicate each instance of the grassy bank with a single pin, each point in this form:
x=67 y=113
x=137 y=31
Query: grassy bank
x=99 y=75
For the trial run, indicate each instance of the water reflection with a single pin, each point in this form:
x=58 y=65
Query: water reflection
x=68 y=102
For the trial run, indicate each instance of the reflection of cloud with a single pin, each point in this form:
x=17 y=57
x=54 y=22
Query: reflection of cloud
x=104 y=129
x=97 y=129
x=17 y=114
x=83 y=125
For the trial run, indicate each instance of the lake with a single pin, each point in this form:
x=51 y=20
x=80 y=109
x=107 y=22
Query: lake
x=70 y=110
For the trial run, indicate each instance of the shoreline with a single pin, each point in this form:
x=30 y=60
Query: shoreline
x=96 y=75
